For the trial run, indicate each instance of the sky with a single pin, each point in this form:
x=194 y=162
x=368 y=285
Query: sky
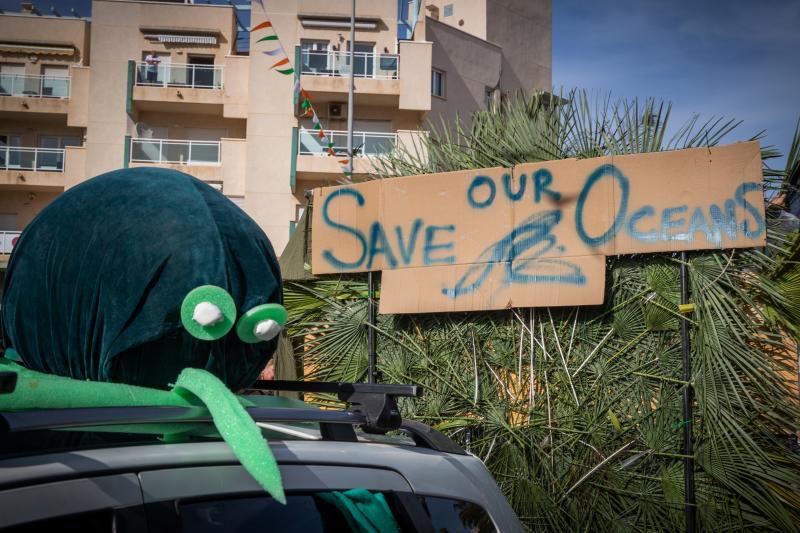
x=734 y=58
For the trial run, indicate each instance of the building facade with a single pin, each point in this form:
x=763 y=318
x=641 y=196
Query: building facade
x=165 y=84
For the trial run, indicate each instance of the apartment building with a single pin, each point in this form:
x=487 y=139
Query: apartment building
x=159 y=83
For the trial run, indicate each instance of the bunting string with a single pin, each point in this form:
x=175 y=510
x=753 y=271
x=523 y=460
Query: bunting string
x=301 y=96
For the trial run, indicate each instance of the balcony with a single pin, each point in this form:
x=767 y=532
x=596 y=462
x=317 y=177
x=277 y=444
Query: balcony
x=367 y=65
x=202 y=159
x=32 y=85
x=326 y=74
x=365 y=144
x=8 y=239
x=180 y=75
x=42 y=168
x=36 y=159
x=170 y=152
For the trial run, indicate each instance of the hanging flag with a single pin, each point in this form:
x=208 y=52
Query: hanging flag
x=299 y=93
x=265 y=24
x=277 y=51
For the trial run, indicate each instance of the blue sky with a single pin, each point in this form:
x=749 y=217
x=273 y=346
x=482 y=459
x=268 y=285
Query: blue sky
x=733 y=58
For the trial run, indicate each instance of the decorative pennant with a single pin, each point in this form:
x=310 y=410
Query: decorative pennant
x=275 y=52
x=299 y=93
x=265 y=24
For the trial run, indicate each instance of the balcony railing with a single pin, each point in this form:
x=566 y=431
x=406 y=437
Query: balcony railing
x=365 y=144
x=175 y=152
x=8 y=239
x=179 y=75
x=366 y=64
x=39 y=159
x=34 y=85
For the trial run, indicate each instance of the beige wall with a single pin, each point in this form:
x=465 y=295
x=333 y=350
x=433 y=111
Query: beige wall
x=32 y=126
x=468 y=15
x=470 y=66
x=40 y=30
x=178 y=123
x=26 y=204
x=523 y=29
x=78 y=104
x=415 y=75
x=235 y=86
x=268 y=196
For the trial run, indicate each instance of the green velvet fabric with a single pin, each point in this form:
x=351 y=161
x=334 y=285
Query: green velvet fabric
x=95 y=283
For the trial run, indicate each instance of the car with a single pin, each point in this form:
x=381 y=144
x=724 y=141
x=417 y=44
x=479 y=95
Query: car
x=154 y=469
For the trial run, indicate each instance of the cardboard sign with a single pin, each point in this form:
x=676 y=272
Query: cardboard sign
x=538 y=234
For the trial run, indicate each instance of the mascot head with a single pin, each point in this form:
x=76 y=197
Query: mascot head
x=137 y=274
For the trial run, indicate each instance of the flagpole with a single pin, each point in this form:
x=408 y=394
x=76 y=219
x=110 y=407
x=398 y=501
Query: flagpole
x=351 y=87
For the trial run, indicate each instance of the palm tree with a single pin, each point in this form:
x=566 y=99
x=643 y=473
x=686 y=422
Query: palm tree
x=577 y=411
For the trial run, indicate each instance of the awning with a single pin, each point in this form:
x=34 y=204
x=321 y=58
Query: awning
x=37 y=49
x=182 y=39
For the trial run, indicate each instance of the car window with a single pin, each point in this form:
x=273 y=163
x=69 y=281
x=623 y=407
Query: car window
x=455 y=516
x=302 y=513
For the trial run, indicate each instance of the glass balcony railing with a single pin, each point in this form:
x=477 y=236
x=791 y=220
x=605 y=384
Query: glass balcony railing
x=167 y=151
x=34 y=85
x=179 y=75
x=366 y=64
x=365 y=144
x=8 y=239
x=39 y=159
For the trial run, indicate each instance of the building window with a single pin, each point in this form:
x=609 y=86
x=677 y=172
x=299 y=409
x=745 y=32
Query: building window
x=448 y=10
x=314 y=57
x=489 y=97
x=437 y=83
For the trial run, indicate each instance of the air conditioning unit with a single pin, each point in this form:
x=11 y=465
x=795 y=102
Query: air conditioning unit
x=337 y=110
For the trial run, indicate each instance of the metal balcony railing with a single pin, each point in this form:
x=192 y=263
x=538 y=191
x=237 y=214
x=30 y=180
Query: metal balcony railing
x=365 y=144
x=34 y=85
x=366 y=64
x=8 y=239
x=175 y=152
x=180 y=75
x=39 y=159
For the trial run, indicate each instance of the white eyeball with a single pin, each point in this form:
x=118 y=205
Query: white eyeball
x=207 y=314
x=267 y=330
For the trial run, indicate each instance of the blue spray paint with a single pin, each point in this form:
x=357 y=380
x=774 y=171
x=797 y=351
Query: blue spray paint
x=542 y=179
x=647 y=236
x=668 y=222
x=379 y=244
x=724 y=221
x=407 y=251
x=327 y=254
x=619 y=220
x=741 y=190
x=480 y=181
x=515 y=196
x=534 y=233
x=430 y=246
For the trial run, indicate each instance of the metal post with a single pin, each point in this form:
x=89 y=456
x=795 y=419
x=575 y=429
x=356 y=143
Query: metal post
x=688 y=461
x=372 y=356
x=351 y=88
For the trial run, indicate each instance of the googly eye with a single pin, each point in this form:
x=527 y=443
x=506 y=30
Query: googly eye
x=208 y=312
x=261 y=323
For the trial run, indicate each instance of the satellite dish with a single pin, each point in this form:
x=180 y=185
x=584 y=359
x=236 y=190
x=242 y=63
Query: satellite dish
x=144 y=131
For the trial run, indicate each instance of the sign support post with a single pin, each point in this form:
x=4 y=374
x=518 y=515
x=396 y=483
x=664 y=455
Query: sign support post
x=688 y=452
x=372 y=356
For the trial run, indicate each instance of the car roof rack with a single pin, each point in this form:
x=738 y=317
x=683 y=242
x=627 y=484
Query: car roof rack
x=372 y=406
